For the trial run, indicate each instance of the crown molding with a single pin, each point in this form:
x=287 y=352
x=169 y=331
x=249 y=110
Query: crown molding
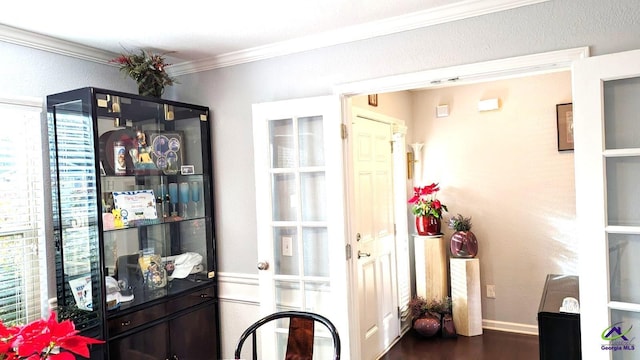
x=458 y=11
x=50 y=44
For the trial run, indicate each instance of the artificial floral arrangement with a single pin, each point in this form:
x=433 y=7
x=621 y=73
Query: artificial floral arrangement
x=147 y=69
x=425 y=202
x=460 y=223
x=43 y=339
x=432 y=316
x=419 y=306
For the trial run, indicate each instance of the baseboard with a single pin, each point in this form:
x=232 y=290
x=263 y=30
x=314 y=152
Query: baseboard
x=238 y=288
x=510 y=327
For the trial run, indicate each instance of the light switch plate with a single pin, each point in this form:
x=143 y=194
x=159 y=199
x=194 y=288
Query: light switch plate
x=287 y=246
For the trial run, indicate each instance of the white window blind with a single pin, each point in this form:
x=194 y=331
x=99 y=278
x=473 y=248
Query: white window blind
x=22 y=241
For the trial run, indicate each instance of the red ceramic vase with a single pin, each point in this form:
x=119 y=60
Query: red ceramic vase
x=427 y=326
x=464 y=244
x=428 y=225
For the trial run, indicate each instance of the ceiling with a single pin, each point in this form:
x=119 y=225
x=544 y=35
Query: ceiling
x=200 y=35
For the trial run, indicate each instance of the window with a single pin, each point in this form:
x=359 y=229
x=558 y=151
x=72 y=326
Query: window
x=23 y=272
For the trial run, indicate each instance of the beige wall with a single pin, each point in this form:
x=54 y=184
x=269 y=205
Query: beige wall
x=503 y=169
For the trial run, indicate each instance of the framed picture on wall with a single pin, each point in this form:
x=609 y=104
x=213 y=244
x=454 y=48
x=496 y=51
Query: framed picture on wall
x=564 y=118
x=373 y=100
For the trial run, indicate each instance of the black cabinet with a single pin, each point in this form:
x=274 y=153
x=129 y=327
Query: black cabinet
x=558 y=332
x=133 y=223
x=188 y=336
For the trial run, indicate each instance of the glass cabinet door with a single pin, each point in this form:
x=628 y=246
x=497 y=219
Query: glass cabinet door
x=75 y=214
x=153 y=214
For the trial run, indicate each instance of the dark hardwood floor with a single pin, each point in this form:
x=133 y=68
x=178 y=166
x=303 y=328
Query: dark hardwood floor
x=491 y=345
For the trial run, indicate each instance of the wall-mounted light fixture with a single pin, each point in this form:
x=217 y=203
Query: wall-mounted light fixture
x=416 y=161
x=489 y=104
x=410 y=162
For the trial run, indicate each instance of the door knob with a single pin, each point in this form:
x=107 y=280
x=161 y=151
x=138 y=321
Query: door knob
x=263 y=265
x=363 y=254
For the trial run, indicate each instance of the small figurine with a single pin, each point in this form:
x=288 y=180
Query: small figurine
x=117 y=218
x=141 y=153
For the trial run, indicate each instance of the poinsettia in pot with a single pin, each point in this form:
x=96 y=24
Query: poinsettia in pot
x=463 y=242
x=43 y=339
x=427 y=209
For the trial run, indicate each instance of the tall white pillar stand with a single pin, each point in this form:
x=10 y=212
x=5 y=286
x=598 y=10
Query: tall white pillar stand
x=431 y=267
x=465 y=296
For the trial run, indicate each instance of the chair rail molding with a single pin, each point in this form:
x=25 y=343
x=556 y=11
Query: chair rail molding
x=239 y=288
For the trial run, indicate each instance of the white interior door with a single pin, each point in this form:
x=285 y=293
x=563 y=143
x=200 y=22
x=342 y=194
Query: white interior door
x=374 y=250
x=300 y=216
x=607 y=164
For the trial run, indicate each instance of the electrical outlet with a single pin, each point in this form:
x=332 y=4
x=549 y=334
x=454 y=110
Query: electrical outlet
x=491 y=291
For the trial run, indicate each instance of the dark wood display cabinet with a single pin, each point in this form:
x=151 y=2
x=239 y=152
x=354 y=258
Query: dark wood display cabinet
x=133 y=223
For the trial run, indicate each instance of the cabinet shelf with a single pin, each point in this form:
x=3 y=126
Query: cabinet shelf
x=149 y=160
x=156 y=222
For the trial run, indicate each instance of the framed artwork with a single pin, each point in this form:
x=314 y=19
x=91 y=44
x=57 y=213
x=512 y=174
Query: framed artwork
x=564 y=118
x=373 y=100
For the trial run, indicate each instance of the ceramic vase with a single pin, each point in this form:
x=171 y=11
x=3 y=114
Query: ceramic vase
x=463 y=244
x=428 y=225
x=428 y=325
x=149 y=86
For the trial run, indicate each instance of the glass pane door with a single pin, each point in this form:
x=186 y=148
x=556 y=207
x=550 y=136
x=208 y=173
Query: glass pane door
x=622 y=157
x=607 y=160
x=298 y=212
x=300 y=226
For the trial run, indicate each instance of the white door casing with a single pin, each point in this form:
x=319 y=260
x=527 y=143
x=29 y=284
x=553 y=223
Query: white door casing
x=374 y=255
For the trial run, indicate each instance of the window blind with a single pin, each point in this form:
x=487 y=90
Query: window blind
x=22 y=238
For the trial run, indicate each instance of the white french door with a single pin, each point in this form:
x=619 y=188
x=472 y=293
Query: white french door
x=300 y=216
x=606 y=93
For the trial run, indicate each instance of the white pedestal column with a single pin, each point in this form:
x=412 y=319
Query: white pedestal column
x=431 y=267
x=465 y=296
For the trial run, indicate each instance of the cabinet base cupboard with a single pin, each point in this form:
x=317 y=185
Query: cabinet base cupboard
x=133 y=223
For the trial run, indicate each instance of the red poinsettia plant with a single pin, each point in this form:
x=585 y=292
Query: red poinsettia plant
x=425 y=202
x=43 y=339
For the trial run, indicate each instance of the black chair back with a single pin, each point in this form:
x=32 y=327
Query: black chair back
x=301 y=330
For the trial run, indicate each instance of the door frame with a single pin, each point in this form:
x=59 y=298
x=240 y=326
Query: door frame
x=493 y=70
